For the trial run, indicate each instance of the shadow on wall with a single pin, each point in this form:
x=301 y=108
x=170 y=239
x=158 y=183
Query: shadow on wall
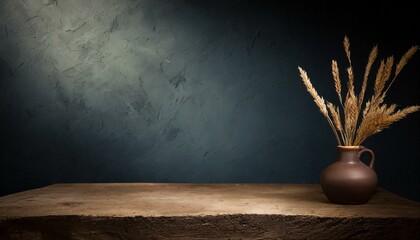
x=105 y=91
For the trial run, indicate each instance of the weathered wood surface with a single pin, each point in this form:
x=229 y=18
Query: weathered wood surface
x=201 y=211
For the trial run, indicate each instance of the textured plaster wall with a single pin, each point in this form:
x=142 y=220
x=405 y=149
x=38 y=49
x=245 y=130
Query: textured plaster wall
x=180 y=91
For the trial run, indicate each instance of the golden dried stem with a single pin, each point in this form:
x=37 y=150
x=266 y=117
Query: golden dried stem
x=376 y=115
x=346 y=44
x=337 y=82
x=378 y=81
x=372 y=57
x=350 y=82
x=335 y=113
x=403 y=61
x=379 y=119
x=319 y=101
x=350 y=117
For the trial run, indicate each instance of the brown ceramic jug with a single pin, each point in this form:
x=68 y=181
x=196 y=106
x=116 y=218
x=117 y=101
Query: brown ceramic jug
x=349 y=180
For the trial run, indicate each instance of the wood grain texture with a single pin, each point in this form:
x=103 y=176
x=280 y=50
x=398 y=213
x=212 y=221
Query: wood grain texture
x=201 y=211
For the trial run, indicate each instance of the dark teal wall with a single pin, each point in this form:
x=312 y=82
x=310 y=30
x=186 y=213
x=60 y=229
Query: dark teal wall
x=190 y=91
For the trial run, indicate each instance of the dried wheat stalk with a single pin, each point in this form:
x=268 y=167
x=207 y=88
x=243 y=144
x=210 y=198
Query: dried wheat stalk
x=319 y=101
x=376 y=115
x=372 y=57
x=337 y=82
x=379 y=77
x=383 y=76
x=346 y=44
x=335 y=114
x=403 y=61
x=351 y=111
x=350 y=82
x=380 y=119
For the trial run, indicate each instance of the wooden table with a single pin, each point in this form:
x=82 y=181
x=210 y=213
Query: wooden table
x=201 y=211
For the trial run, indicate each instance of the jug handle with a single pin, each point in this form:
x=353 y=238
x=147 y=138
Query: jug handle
x=372 y=155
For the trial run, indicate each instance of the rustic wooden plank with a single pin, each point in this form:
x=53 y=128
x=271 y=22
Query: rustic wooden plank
x=201 y=211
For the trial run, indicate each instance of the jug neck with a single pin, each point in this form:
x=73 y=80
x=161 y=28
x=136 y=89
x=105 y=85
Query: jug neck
x=348 y=153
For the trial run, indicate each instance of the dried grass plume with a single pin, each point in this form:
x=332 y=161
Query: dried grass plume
x=376 y=115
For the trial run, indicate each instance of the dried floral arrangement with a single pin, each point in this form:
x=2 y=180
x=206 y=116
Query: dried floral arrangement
x=376 y=115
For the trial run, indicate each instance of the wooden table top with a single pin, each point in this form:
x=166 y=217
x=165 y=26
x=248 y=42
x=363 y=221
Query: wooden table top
x=162 y=199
